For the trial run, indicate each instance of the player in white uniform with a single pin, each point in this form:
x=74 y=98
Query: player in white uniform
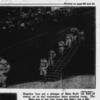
x=79 y=34
x=68 y=40
x=4 y=68
x=43 y=67
x=61 y=47
x=52 y=55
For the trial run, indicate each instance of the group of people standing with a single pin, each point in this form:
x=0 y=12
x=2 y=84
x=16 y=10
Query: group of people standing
x=45 y=63
x=67 y=42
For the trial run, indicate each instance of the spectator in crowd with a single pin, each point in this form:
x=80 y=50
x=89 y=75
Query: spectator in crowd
x=4 y=68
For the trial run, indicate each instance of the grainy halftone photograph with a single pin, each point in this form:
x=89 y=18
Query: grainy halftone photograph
x=47 y=47
x=8 y=96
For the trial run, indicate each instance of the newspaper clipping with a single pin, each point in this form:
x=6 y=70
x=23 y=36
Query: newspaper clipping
x=48 y=50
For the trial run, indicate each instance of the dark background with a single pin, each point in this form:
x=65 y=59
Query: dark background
x=23 y=47
x=8 y=96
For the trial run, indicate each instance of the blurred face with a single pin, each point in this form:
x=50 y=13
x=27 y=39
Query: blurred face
x=2 y=68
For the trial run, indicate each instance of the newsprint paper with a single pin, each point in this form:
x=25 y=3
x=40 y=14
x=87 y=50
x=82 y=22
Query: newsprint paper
x=49 y=50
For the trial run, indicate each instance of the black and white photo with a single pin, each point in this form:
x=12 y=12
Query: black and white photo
x=47 y=47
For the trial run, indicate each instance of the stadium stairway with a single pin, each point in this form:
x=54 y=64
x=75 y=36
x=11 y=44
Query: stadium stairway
x=55 y=72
